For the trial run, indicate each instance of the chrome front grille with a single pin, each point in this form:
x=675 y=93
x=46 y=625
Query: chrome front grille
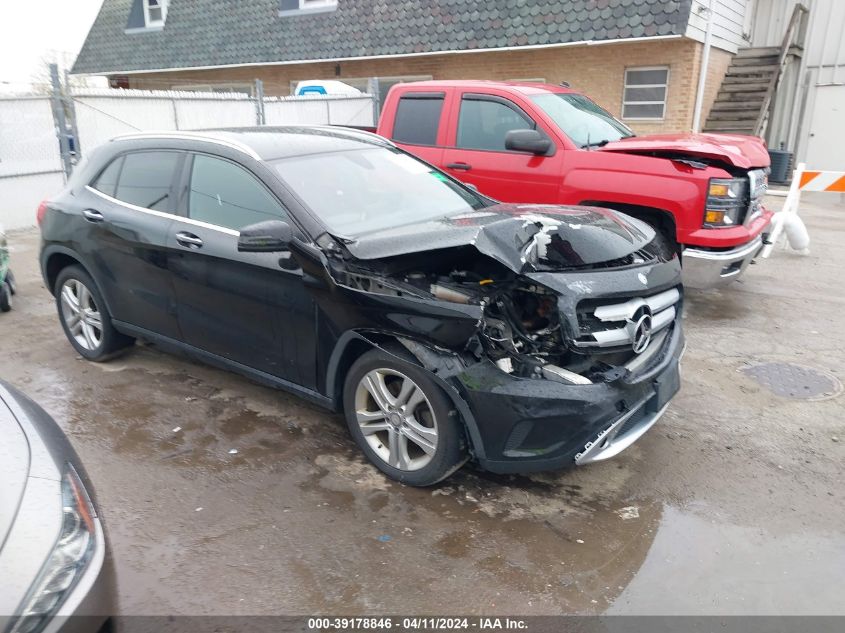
x=633 y=323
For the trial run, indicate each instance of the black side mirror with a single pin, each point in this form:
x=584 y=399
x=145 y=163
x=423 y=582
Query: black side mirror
x=272 y=236
x=527 y=141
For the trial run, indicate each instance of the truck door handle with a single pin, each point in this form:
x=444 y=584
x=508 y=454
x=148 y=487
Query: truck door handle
x=93 y=216
x=461 y=166
x=188 y=240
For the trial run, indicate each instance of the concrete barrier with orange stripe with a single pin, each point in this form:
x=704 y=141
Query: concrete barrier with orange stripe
x=833 y=181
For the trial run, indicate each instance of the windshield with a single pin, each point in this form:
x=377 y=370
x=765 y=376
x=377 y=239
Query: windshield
x=359 y=191
x=581 y=119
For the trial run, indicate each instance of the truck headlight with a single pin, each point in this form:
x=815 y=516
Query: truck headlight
x=67 y=561
x=727 y=200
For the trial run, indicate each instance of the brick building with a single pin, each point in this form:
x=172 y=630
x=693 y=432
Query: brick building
x=640 y=59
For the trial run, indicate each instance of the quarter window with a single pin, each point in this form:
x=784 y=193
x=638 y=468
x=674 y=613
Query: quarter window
x=645 y=93
x=226 y=195
x=146 y=180
x=107 y=182
x=483 y=124
x=418 y=119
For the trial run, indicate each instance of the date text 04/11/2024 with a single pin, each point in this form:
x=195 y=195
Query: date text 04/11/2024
x=429 y=623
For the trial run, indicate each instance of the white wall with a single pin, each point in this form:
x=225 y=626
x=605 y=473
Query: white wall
x=729 y=23
x=20 y=197
x=823 y=65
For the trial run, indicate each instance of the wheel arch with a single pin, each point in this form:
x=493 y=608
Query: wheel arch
x=55 y=258
x=351 y=345
x=660 y=219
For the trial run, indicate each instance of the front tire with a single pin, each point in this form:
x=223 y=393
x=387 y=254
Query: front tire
x=84 y=316
x=402 y=420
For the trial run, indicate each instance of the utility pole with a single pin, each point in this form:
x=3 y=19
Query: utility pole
x=58 y=103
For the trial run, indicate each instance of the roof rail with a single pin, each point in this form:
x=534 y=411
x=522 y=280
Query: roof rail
x=189 y=136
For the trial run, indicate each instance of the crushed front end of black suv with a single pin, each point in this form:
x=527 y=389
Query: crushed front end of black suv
x=556 y=331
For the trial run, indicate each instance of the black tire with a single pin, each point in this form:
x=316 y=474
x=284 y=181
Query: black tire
x=435 y=412
x=5 y=297
x=10 y=279
x=109 y=341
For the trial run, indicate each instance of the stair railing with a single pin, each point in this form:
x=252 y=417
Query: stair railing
x=797 y=26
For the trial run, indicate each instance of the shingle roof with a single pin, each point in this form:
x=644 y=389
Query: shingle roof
x=202 y=33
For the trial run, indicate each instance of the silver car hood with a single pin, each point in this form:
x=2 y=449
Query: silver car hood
x=14 y=468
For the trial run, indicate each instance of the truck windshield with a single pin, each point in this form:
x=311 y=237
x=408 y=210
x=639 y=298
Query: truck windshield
x=357 y=191
x=582 y=120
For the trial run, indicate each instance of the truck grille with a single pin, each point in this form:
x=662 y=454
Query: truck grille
x=630 y=324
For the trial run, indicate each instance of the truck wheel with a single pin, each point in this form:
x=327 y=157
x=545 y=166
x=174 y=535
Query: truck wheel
x=402 y=420
x=10 y=279
x=85 y=320
x=5 y=297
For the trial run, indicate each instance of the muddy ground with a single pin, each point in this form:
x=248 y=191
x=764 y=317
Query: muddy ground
x=733 y=504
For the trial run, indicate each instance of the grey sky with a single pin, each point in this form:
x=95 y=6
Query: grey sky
x=36 y=29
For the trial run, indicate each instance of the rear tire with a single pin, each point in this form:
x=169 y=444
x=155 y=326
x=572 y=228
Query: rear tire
x=10 y=279
x=402 y=420
x=84 y=317
x=5 y=297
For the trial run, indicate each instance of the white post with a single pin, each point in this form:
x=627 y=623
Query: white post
x=790 y=206
x=702 y=74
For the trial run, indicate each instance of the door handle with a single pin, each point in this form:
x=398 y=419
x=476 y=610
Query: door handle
x=188 y=240
x=461 y=166
x=93 y=216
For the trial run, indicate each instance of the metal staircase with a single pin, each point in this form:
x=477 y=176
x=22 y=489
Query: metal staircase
x=753 y=78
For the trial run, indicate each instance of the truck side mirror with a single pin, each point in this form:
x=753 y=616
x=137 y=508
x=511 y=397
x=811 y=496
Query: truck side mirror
x=527 y=141
x=272 y=236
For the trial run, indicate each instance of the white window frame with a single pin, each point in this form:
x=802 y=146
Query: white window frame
x=150 y=23
x=305 y=5
x=625 y=87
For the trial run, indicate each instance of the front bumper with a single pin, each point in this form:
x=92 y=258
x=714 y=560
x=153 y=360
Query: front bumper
x=529 y=425
x=710 y=269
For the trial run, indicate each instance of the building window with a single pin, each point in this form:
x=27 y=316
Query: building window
x=298 y=7
x=645 y=93
x=155 y=12
x=246 y=89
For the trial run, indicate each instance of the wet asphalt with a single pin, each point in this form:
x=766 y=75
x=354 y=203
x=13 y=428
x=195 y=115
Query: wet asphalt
x=732 y=504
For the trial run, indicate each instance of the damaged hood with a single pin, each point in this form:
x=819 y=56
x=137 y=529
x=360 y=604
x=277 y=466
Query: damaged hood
x=522 y=237
x=745 y=152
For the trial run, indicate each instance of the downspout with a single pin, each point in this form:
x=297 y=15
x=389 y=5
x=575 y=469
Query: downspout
x=702 y=73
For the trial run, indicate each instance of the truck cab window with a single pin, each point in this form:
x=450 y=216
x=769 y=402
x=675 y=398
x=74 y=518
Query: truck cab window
x=483 y=124
x=418 y=119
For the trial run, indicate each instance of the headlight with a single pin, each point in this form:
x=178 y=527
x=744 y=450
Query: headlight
x=727 y=200
x=67 y=561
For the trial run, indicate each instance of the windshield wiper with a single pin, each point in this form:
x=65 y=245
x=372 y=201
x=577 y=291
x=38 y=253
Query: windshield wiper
x=588 y=145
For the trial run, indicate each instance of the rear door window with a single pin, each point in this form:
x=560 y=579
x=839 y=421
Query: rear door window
x=146 y=180
x=418 y=119
x=227 y=195
x=483 y=124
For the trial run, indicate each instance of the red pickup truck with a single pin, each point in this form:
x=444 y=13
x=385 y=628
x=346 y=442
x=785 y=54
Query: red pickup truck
x=539 y=143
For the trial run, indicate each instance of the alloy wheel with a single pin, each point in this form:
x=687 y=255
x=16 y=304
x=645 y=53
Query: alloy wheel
x=396 y=419
x=81 y=314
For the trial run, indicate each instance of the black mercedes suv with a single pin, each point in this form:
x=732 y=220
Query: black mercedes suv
x=329 y=263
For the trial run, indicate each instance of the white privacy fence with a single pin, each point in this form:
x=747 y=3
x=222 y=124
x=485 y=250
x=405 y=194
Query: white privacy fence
x=31 y=160
x=105 y=113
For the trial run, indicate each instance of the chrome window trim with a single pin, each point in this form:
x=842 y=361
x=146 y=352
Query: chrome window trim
x=192 y=137
x=163 y=214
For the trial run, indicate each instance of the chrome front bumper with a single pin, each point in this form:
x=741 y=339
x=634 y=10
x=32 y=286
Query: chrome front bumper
x=710 y=269
x=620 y=435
